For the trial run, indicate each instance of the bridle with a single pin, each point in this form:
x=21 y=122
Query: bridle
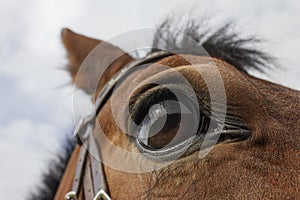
x=89 y=173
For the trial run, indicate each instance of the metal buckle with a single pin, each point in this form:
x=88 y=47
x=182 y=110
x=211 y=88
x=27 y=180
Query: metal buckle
x=71 y=196
x=102 y=195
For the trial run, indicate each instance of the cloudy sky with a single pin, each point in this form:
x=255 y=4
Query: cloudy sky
x=35 y=98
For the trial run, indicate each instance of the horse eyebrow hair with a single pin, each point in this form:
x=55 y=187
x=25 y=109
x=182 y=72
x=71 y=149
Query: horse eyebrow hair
x=221 y=43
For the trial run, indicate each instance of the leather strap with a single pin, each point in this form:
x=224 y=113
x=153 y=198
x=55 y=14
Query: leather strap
x=97 y=167
x=88 y=182
x=89 y=172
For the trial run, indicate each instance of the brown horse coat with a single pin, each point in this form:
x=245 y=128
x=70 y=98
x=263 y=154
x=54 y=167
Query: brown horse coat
x=264 y=166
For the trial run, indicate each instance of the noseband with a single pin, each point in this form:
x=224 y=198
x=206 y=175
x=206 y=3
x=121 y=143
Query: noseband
x=89 y=173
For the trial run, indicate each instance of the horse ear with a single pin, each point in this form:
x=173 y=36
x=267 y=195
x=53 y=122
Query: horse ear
x=78 y=48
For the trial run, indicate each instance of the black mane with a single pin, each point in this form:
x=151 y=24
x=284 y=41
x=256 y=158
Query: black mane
x=51 y=177
x=221 y=43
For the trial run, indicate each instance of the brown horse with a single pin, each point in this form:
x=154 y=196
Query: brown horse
x=262 y=164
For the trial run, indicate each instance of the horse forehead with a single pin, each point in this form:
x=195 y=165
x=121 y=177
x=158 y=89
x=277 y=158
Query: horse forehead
x=186 y=59
x=194 y=70
x=175 y=61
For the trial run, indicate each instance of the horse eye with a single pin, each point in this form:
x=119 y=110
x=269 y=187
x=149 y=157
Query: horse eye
x=169 y=123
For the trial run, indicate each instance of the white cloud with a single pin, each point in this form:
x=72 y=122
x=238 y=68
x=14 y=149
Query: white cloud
x=25 y=147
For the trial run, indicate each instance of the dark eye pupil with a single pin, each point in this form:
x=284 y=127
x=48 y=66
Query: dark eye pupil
x=162 y=132
x=166 y=126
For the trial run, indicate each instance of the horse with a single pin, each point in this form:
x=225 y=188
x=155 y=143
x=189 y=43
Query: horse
x=256 y=155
